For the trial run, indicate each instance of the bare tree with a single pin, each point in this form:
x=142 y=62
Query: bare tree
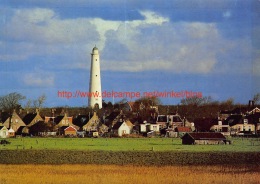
x=38 y=103
x=195 y=101
x=28 y=105
x=11 y=101
x=256 y=98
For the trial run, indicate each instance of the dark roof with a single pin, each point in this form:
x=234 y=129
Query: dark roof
x=204 y=124
x=1 y=127
x=4 y=116
x=58 y=118
x=225 y=112
x=176 y=118
x=81 y=120
x=22 y=130
x=253 y=118
x=117 y=125
x=63 y=128
x=162 y=118
x=240 y=110
x=205 y=135
x=112 y=116
x=29 y=117
x=234 y=119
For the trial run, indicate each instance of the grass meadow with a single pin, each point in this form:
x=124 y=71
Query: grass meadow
x=127 y=144
x=98 y=174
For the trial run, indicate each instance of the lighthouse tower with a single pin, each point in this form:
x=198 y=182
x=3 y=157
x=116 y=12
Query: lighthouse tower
x=95 y=98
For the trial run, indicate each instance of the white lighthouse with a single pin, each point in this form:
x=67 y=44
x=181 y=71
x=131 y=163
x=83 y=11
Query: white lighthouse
x=95 y=97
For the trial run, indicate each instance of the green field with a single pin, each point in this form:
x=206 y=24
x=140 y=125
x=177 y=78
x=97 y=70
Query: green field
x=127 y=144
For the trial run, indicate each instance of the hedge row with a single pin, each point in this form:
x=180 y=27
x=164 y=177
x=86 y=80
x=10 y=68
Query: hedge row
x=122 y=157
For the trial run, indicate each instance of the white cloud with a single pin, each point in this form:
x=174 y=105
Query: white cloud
x=153 y=43
x=39 y=79
x=178 y=47
x=227 y=14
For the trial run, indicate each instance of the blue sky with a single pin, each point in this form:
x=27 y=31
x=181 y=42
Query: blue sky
x=208 y=46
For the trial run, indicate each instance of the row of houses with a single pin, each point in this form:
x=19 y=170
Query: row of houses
x=33 y=124
x=117 y=124
x=231 y=123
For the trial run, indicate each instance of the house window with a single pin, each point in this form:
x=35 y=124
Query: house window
x=96 y=59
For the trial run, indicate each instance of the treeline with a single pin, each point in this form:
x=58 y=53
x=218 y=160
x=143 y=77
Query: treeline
x=142 y=109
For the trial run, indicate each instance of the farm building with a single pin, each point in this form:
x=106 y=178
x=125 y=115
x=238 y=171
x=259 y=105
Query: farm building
x=204 y=138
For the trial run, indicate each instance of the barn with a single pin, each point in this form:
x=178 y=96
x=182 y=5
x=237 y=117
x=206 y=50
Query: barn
x=204 y=138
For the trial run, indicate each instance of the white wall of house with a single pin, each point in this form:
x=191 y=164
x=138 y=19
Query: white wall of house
x=123 y=129
x=4 y=132
x=154 y=127
x=242 y=127
x=142 y=127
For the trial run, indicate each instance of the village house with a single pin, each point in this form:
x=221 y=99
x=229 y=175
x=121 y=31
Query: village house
x=62 y=120
x=204 y=138
x=175 y=121
x=3 y=132
x=222 y=127
x=113 y=118
x=103 y=129
x=239 y=125
x=12 y=121
x=70 y=131
x=92 y=124
x=32 y=118
x=146 y=127
x=121 y=128
x=253 y=117
x=162 y=121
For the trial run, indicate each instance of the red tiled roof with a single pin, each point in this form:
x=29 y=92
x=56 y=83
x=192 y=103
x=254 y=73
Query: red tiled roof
x=70 y=128
x=183 y=129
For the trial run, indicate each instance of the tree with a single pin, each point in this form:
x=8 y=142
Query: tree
x=256 y=98
x=145 y=106
x=228 y=104
x=38 y=103
x=11 y=102
x=196 y=101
